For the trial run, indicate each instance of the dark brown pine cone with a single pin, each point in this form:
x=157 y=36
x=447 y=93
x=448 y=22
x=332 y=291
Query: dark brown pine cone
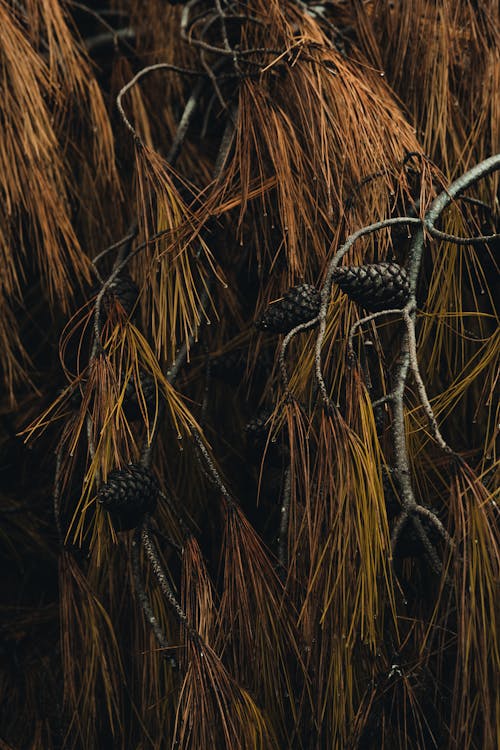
x=133 y=404
x=128 y=494
x=300 y=304
x=124 y=290
x=376 y=287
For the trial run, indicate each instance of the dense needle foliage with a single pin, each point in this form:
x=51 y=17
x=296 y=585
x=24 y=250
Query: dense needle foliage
x=219 y=532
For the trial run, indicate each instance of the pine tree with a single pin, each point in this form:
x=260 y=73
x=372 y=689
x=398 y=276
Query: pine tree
x=249 y=349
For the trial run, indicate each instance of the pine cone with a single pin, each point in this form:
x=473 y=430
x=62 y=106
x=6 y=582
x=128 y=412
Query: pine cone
x=300 y=304
x=128 y=494
x=125 y=291
x=376 y=287
x=132 y=402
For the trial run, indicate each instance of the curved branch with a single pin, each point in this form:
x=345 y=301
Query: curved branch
x=137 y=78
x=412 y=353
x=326 y=289
x=210 y=465
x=481 y=170
x=290 y=335
x=155 y=562
x=431 y=553
x=145 y=603
x=367 y=319
x=437 y=234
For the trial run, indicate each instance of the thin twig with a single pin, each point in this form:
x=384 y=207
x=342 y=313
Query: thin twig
x=90 y=436
x=481 y=170
x=226 y=50
x=412 y=352
x=210 y=465
x=154 y=559
x=128 y=238
x=208 y=68
x=433 y=519
x=146 y=604
x=286 y=341
x=137 y=77
x=367 y=319
x=184 y=122
x=110 y=37
x=383 y=400
x=226 y=143
x=401 y=463
x=431 y=553
x=476 y=202
x=437 y=234
x=285 y=516
x=225 y=37
x=162 y=536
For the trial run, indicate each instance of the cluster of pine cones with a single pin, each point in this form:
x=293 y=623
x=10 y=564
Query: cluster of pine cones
x=375 y=287
x=131 y=492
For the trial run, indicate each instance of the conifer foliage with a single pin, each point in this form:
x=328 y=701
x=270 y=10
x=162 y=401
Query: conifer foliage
x=249 y=357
